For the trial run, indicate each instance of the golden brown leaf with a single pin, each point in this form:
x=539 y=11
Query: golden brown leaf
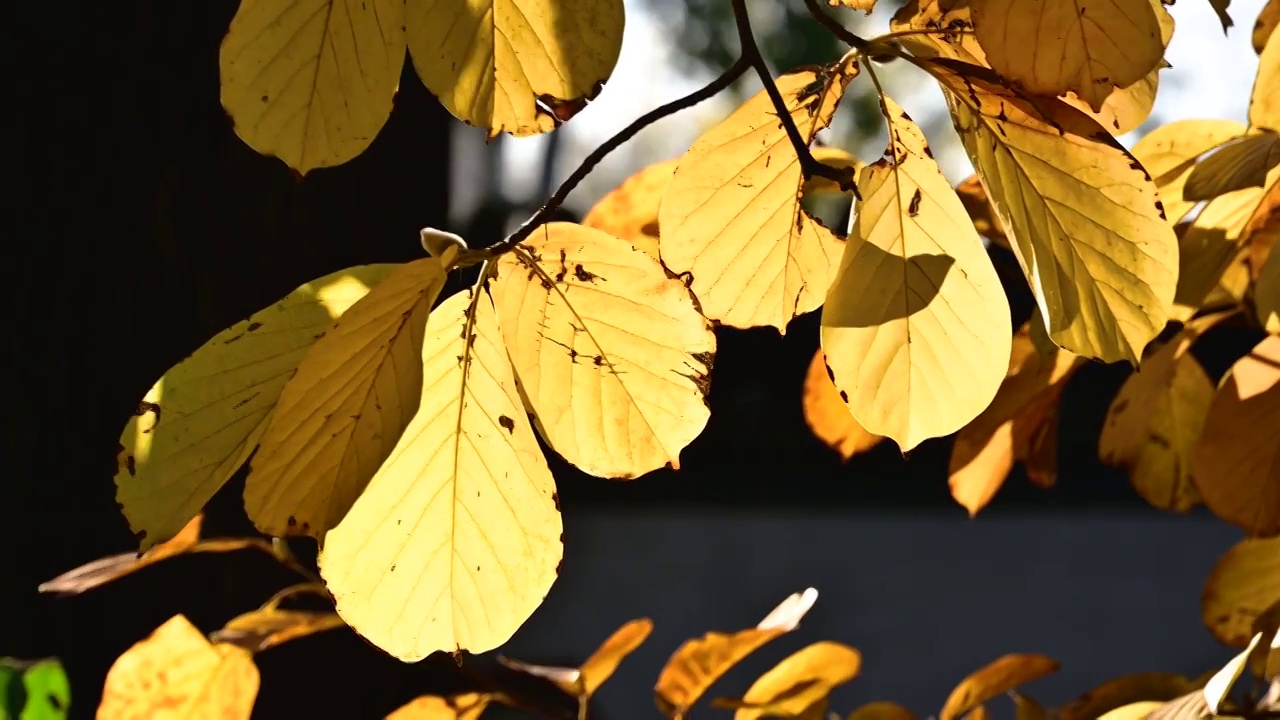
x=1243 y=584
x=1210 y=246
x=1237 y=461
x=1266 y=23
x=950 y=26
x=1262 y=230
x=976 y=203
x=1241 y=163
x=998 y=677
x=882 y=710
x=630 y=211
x=468 y=706
x=827 y=415
x=259 y=630
x=801 y=680
x=865 y=6
x=177 y=672
x=1264 y=106
x=582 y=682
x=1126 y=690
x=1169 y=154
x=104 y=570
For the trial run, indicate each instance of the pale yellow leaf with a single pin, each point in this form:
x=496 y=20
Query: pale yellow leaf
x=1264 y=106
x=1089 y=47
x=1243 y=584
x=1126 y=690
x=312 y=81
x=1235 y=165
x=1266 y=23
x=699 y=662
x=865 y=6
x=1169 y=154
x=916 y=327
x=732 y=215
x=343 y=411
x=266 y=628
x=827 y=415
x=176 y=673
x=996 y=678
x=612 y=355
x=199 y=423
x=1219 y=686
x=630 y=211
x=1266 y=294
x=1155 y=420
x=985 y=450
x=1237 y=461
x=515 y=66
x=882 y=710
x=950 y=26
x=456 y=540
x=1132 y=711
x=1083 y=216
x=468 y=706
x=803 y=679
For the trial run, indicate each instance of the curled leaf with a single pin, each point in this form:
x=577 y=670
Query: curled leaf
x=998 y=677
x=1125 y=690
x=260 y=630
x=1170 y=152
x=1238 y=164
x=582 y=682
x=801 y=680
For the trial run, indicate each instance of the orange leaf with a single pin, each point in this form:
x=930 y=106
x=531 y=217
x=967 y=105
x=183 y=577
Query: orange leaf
x=995 y=679
x=828 y=416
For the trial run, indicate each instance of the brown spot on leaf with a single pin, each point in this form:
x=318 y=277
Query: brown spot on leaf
x=844 y=396
x=555 y=499
x=913 y=208
x=583 y=274
x=254 y=326
x=292 y=521
x=507 y=423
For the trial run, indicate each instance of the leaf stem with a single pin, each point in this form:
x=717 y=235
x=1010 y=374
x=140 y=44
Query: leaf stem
x=845 y=35
x=809 y=165
x=726 y=78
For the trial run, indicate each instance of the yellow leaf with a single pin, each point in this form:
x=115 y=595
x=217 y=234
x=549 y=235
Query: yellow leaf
x=698 y=663
x=515 y=66
x=312 y=81
x=998 y=677
x=827 y=415
x=732 y=215
x=1132 y=711
x=1026 y=708
x=950 y=27
x=804 y=678
x=1126 y=690
x=1026 y=403
x=582 y=682
x=343 y=411
x=1242 y=585
x=1235 y=165
x=1083 y=216
x=1191 y=706
x=1169 y=154
x=1263 y=229
x=1266 y=295
x=456 y=540
x=612 y=355
x=1237 y=461
x=259 y=630
x=1266 y=23
x=1213 y=241
x=468 y=706
x=916 y=326
x=175 y=672
x=1220 y=685
x=1264 y=106
x=882 y=710
x=202 y=419
x=1089 y=47
x=1155 y=420
x=630 y=212
x=835 y=157
x=865 y=6
x=978 y=713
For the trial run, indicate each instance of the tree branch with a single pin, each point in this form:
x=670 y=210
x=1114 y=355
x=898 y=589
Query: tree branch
x=840 y=31
x=809 y=165
x=553 y=203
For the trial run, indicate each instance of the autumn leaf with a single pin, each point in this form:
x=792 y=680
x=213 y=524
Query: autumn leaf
x=803 y=679
x=266 y=628
x=865 y=6
x=1082 y=215
x=340 y=415
x=1262 y=231
x=312 y=82
x=1155 y=420
x=1024 y=410
x=1170 y=152
x=882 y=710
x=699 y=662
x=1241 y=163
x=974 y=197
x=732 y=215
x=1220 y=685
x=998 y=677
x=612 y=355
x=827 y=415
x=1266 y=296
x=202 y=419
x=950 y=30
x=510 y=65
x=916 y=326
x=177 y=673
x=1244 y=583
x=630 y=212
x=456 y=540
x=467 y=706
x=1237 y=461
x=1264 y=105
x=582 y=682
x=1126 y=690
x=1214 y=241
x=1266 y=23
x=1138 y=711
x=1220 y=7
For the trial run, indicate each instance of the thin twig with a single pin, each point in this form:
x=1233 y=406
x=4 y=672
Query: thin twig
x=556 y=200
x=840 y=31
x=809 y=165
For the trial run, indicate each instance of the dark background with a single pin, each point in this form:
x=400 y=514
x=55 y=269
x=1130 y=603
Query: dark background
x=142 y=225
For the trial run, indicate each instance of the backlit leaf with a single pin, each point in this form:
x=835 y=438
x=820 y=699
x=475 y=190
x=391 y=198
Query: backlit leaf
x=828 y=416
x=951 y=30
x=1155 y=420
x=1083 y=216
x=612 y=355
x=1243 y=584
x=175 y=672
x=468 y=706
x=199 y=423
x=699 y=662
x=882 y=710
x=1266 y=23
x=630 y=211
x=1126 y=690
x=732 y=215
x=456 y=540
x=1169 y=154
x=1213 y=242
x=799 y=681
x=916 y=327
x=1237 y=461
x=1264 y=106
x=259 y=630
x=996 y=678
x=343 y=411
x=582 y=682
x=865 y=6
x=1086 y=46
x=1024 y=406
x=312 y=81
x=1238 y=164
x=515 y=66
x=1262 y=230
